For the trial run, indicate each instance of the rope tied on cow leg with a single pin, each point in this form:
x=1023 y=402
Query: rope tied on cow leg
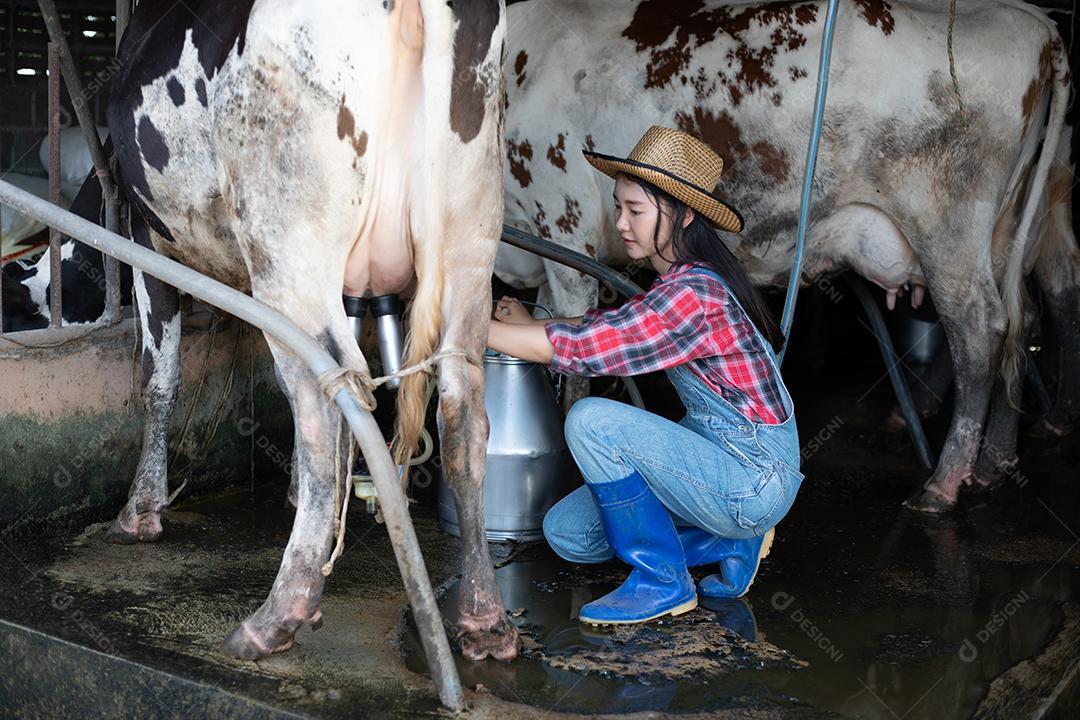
x=361 y=387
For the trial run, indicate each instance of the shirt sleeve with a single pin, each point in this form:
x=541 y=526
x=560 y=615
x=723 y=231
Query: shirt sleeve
x=652 y=331
x=591 y=314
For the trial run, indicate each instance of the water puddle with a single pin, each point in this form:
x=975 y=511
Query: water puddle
x=880 y=615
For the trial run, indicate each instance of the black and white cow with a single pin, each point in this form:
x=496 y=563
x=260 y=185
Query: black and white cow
x=297 y=150
x=920 y=181
x=27 y=299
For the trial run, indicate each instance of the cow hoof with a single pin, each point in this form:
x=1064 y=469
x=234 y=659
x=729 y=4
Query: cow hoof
x=985 y=485
x=1050 y=430
x=496 y=638
x=928 y=501
x=248 y=643
x=986 y=480
x=146 y=528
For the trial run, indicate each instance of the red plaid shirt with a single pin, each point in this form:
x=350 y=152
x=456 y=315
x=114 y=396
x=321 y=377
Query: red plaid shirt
x=685 y=317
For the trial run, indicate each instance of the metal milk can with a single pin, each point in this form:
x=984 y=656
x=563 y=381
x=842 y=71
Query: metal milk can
x=529 y=467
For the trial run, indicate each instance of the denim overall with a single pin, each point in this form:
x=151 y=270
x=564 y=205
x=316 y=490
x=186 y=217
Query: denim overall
x=714 y=469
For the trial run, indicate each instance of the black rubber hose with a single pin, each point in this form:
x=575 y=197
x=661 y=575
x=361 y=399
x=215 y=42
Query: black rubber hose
x=571 y=258
x=900 y=386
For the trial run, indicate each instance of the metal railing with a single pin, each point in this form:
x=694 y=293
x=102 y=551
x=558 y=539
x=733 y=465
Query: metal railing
x=62 y=68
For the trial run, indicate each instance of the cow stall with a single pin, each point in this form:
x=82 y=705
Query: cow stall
x=864 y=608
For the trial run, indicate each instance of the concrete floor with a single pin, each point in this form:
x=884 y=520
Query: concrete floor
x=862 y=609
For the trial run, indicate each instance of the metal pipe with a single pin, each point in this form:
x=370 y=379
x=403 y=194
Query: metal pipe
x=109 y=193
x=123 y=17
x=112 y=267
x=382 y=468
x=78 y=96
x=900 y=387
x=56 y=309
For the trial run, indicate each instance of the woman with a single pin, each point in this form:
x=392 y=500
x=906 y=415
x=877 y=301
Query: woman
x=660 y=495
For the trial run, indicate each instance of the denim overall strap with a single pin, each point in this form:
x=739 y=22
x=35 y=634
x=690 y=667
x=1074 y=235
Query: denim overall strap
x=709 y=411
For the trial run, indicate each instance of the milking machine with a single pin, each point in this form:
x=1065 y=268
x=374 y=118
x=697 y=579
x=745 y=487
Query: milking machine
x=528 y=466
x=387 y=311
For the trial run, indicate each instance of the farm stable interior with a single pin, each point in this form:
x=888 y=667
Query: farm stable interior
x=863 y=609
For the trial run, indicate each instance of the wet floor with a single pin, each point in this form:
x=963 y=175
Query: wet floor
x=862 y=609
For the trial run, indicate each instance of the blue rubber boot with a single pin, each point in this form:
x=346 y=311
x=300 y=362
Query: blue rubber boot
x=738 y=567
x=701 y=547
x=640 y=531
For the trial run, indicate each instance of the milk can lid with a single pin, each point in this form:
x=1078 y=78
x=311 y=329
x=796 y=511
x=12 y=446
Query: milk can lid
x=501 y=358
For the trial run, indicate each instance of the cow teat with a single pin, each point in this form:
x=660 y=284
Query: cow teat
x=411 y=23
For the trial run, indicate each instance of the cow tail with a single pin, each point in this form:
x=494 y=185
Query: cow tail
x=425 y=331
x=1013 y=356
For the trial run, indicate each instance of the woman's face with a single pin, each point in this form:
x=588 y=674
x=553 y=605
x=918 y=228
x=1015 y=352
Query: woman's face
x=636 y=214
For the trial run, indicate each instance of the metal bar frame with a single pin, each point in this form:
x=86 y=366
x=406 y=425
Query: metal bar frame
x=62 y=69
x=109 y=191
x=56 y=310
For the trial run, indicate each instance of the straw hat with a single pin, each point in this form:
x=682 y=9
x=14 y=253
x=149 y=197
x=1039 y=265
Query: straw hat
x=679 y=164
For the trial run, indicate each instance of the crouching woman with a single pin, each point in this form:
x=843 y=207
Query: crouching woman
x=664 y=496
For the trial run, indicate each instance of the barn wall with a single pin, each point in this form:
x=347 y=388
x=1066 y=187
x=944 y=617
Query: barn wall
x=71 y=422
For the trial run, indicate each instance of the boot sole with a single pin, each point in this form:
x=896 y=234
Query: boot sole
x=674 y=612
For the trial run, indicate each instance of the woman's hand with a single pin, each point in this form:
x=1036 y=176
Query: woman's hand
x=509 y=310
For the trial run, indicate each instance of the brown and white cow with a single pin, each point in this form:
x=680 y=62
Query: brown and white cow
x=913 y=173
x=1054 y=258
x=296 y=150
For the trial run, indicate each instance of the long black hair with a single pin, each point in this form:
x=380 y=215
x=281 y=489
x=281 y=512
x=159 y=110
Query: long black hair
x=700 y=242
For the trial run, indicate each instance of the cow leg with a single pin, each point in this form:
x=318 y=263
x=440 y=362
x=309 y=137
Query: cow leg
x=321 y=458
x=997 y=459
x=482 y=628
x=1058 y=272
x=159 y=322
x=974 y=319
x=294 y=481
x=997 y=453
